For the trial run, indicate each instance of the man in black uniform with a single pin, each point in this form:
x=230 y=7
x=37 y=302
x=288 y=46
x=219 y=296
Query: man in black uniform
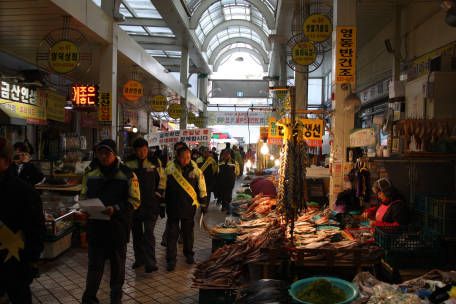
x=22 y=231
x=228 y=169
x=209 y=168
x=185 y=190
x=117 y=187
x=149 y=171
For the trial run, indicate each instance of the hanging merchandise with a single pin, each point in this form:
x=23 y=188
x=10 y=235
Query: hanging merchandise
x=363 y=189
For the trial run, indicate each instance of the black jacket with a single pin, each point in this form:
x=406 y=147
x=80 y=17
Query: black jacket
x=118 y=188
x=179 y=204
x=149 y=171
x=215 y=156
x=209 y=172
x=29 y=173
x=398 y=212
x=21 y=209
x=227 y=172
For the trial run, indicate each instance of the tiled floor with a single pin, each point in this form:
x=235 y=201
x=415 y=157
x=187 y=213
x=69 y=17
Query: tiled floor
x=66 y=282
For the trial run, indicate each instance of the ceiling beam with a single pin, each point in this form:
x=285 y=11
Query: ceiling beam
x=144 y=22
x=155 y=39
x=162 y=47
x=234 y=40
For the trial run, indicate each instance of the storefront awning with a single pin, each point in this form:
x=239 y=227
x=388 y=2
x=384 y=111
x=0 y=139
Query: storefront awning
x=8 y=117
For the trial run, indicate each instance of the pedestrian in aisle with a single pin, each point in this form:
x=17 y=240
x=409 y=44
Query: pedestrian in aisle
x=118 y=189
x=148 y=169
x=22 y=230
x=243 y=157
x=185 y=191
x=209 y=168
x=228 y=169
x=23 y=167
x=238 y=159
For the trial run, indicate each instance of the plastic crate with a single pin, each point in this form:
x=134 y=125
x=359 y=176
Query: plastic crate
x=446 y=227
x=391 y=275
x=354 y=231
x=219 y=296
x=407 y=238
x=442 y=146
x=443 y=206
x=419 y=218
x=415 y=260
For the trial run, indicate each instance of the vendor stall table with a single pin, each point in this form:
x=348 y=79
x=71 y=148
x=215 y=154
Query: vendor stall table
x=270 y=266
x=68 y=188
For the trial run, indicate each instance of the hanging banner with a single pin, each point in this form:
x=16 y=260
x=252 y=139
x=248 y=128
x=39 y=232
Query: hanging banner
x=275 y=134
x=34 y=115
x=237 y=118
x=158 y=103
x=89 y=119
x=264 y=132
x=317 y=28
x=85 y=95
x=283 y=109
x=304 y=53
x=133 y=90
x=199 y=122
x=282 y=94
x=105 y=109
x=64 y=57
x=362 y=137
x=420 y=67
x=171 y=137
x=191 y=118
x=344 y=51
x=132 y=117
x=313 y=132
x=41 y=98
x=105 y=132
x=55 y=108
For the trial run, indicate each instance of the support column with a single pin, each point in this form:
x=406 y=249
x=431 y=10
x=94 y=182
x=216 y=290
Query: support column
x=341 y=121
x=184 y=81
x=283 y=66
x=108 y=66
x=203 y=81
x=397 y=43
x=301 y=77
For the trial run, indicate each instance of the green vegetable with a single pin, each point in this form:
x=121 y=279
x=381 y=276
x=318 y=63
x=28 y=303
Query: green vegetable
x=321 y=291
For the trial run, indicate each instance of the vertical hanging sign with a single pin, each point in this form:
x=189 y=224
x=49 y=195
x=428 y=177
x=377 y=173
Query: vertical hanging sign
x=105 y=109
x=344 y=65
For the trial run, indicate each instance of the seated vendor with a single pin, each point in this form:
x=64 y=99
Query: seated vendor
x=393 y=210
x=263 y=185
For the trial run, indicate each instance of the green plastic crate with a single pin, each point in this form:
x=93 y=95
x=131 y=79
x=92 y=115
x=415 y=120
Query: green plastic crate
x=415 y=260
x=443 y=206
x=219 y=296
x=407 y=238
x=419 y=218
x=446 y=227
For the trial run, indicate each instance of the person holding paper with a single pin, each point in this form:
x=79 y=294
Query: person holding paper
x=22 y=230
x=117 y=187
x=148 y=169
x=185 y=191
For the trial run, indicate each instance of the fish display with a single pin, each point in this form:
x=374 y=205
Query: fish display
x=264 y=291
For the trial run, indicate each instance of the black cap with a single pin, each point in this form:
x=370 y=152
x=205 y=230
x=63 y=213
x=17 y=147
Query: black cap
x=108 y=144
x=226 y=151
x=205 y=149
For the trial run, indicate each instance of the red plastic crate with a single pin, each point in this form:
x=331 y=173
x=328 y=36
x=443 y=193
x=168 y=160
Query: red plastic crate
x=358 y=229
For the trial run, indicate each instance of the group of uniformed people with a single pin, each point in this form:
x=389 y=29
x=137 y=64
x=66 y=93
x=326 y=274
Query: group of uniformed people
x=135 y=193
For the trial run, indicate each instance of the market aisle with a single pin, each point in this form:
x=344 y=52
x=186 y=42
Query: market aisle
x=66 y=282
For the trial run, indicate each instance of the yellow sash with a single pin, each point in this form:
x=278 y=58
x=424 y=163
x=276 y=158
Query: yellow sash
x=11 y=241
x=184 y=184
x=206 y=163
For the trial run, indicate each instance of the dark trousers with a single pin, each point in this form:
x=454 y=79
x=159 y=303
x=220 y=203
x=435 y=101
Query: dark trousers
x=15 y=280
x=144 y=239
x=225 y=196
x=172 y=226
x=181 y=236
x=97 y=256
x=209 y=192
x=241 y=169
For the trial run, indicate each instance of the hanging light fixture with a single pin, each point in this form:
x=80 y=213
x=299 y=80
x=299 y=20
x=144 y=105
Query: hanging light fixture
x=264 y=148
x=249 y=164
x=277 y=162
x=135 y=130
x=68 y=102
x=272 y=157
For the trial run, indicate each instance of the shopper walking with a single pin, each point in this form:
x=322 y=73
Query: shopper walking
x=243 y=157
x=22 y=230
x=149 y=171
x=23 y=167
x=118 y=189
x=185 y=189
x=228 y=169
x=209 y=168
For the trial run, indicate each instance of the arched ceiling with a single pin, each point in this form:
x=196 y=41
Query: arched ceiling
x=234 y=32
x=243 y=50
x=236 y=41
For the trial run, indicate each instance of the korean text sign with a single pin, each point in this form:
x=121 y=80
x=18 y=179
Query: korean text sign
x=85 y=95
x=55 y=108
x=237 y=118
x=345 y=49
x=313 y=132
x=34 y=115
x=105 y=109
x=172 y=137
x=18 y=92
x=275 y=134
